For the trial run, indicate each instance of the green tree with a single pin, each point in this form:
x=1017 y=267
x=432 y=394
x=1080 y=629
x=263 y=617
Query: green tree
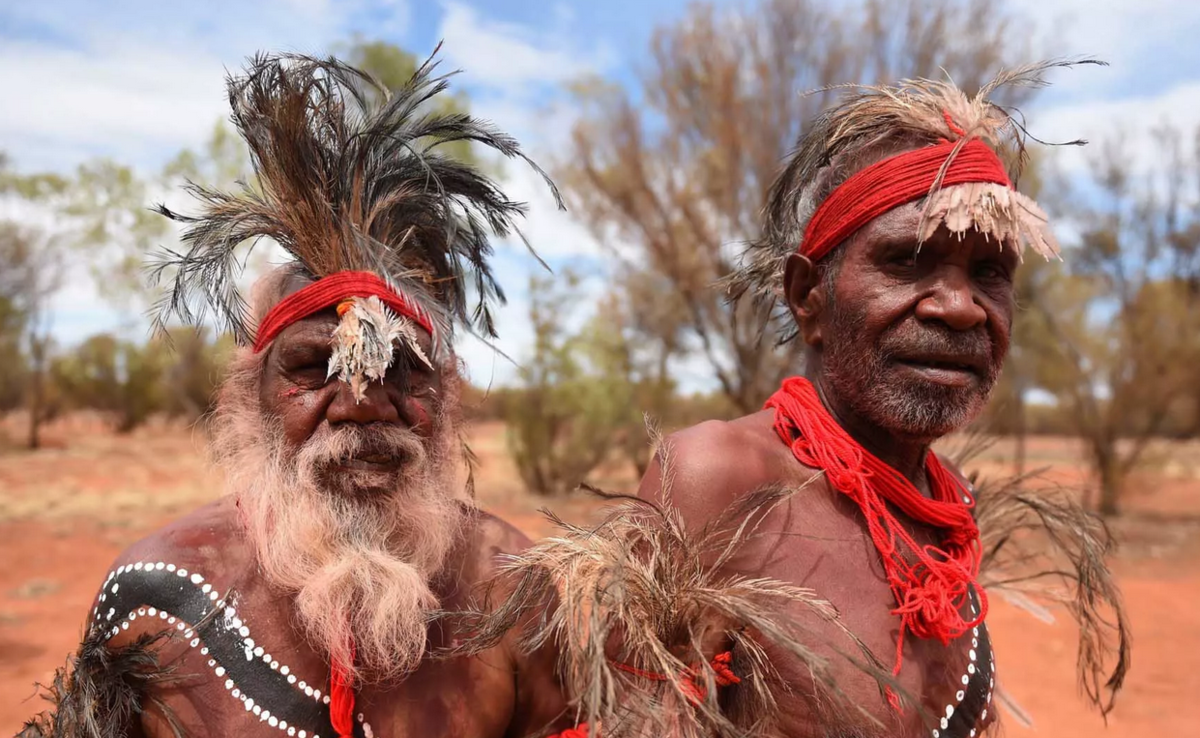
x=1121 y=316
x=574 y=404
x=30 y=273
x=109 y=224
x=221 y=163
x=116 y=377
x=193 y=366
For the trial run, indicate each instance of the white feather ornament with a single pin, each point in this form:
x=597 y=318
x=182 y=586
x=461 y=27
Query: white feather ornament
x=365 y=341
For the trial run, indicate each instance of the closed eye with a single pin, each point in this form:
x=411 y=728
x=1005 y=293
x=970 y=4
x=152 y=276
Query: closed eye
x=991 y=271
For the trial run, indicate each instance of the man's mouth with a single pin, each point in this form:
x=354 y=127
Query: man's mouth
x=371 y=462
x=947 y=370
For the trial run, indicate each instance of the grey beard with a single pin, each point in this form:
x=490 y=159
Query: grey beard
x=864 y=379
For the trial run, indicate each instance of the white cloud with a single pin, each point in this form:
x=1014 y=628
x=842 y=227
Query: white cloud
x=142 y=83
x=1132 y=118
x=119 y=101
x=551 y=232
x=499 y=54
x=514 y=75
x=137 y=84
x=1128 y=34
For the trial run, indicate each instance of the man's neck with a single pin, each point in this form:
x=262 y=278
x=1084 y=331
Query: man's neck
x=905 y=455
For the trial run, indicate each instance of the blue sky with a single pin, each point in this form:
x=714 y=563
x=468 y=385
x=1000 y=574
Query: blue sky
x=137 y=80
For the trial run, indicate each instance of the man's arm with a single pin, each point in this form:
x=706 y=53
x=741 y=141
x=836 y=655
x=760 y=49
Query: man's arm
x=111 y=686
x=539 y=703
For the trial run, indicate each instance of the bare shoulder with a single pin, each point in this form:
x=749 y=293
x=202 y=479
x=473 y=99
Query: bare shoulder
x=180 y=571
x=207 y=540
x=704 y=468
x=486 y=539
x=148 y=619
x=495 y=535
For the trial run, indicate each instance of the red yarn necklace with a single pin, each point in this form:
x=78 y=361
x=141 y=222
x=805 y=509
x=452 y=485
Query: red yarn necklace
x=341 y=697
x=931 y=584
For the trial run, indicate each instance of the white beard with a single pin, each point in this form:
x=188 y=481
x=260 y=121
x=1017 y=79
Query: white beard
x=358 y=565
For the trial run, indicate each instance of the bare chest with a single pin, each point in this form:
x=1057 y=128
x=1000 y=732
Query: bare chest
x=819 y=541
x=235 y=663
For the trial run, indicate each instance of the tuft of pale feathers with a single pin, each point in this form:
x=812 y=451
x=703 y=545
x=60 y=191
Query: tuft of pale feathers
x=639 y=591
x=1042 y=551
x=873 y=121
x=365 y=342
x=349 y=176
x=999 y=212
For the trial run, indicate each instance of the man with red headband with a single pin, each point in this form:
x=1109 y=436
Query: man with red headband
x=306 y=602
x=815 y=569
x=891 y=240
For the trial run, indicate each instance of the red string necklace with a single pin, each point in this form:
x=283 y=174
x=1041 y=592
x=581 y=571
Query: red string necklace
x=931 y=584
x=341 y=697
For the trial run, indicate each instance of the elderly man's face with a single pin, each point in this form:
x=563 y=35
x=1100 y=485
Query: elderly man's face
x=351 y=507
x=913 y=342
x=352 y=446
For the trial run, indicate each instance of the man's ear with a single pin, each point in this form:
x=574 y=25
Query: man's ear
x=804 y=300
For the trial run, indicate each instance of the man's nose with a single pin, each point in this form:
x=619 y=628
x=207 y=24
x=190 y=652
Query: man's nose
x=375 y=407
x=949 y=299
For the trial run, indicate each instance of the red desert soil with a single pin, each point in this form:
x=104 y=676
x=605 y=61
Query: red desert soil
x=66 y=512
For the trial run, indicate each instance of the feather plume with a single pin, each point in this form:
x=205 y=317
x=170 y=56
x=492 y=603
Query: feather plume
x=104 y=690
x=364 y=343
x=349 y=176
x=640 y=590
x=1042 y=550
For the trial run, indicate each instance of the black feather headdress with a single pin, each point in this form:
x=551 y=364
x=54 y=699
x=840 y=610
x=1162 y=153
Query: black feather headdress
x=349 y=177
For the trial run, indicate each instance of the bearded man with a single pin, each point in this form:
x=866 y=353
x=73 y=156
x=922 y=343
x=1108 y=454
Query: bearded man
x=815 y=569
x=303 y=602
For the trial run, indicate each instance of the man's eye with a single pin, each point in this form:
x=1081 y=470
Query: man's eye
x=991 y=271
x=308 y=371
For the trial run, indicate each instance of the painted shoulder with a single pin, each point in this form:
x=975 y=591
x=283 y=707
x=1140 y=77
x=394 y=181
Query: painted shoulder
x=182 y=587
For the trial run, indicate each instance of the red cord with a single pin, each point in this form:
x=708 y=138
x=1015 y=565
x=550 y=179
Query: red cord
x=330 y=291
x=341 y=697
x=892 y=182
x=931 y=584
x=693 y=687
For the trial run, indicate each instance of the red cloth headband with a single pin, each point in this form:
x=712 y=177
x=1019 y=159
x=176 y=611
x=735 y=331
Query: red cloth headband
x=891 y=183
x=327 y=292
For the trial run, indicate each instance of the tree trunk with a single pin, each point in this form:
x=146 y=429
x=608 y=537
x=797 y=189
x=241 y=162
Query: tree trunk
x=1021 y=430
x=37 y=350
x=1110 y=485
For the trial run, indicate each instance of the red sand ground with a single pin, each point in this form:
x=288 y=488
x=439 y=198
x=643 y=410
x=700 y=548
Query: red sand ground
x=65 y=513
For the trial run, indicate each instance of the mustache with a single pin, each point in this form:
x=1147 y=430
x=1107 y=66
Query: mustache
x=912 y=338
x=329 y=446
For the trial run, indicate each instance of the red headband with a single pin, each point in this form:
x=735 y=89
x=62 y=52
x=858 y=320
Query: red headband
x=327 y=292
x=891 y=183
